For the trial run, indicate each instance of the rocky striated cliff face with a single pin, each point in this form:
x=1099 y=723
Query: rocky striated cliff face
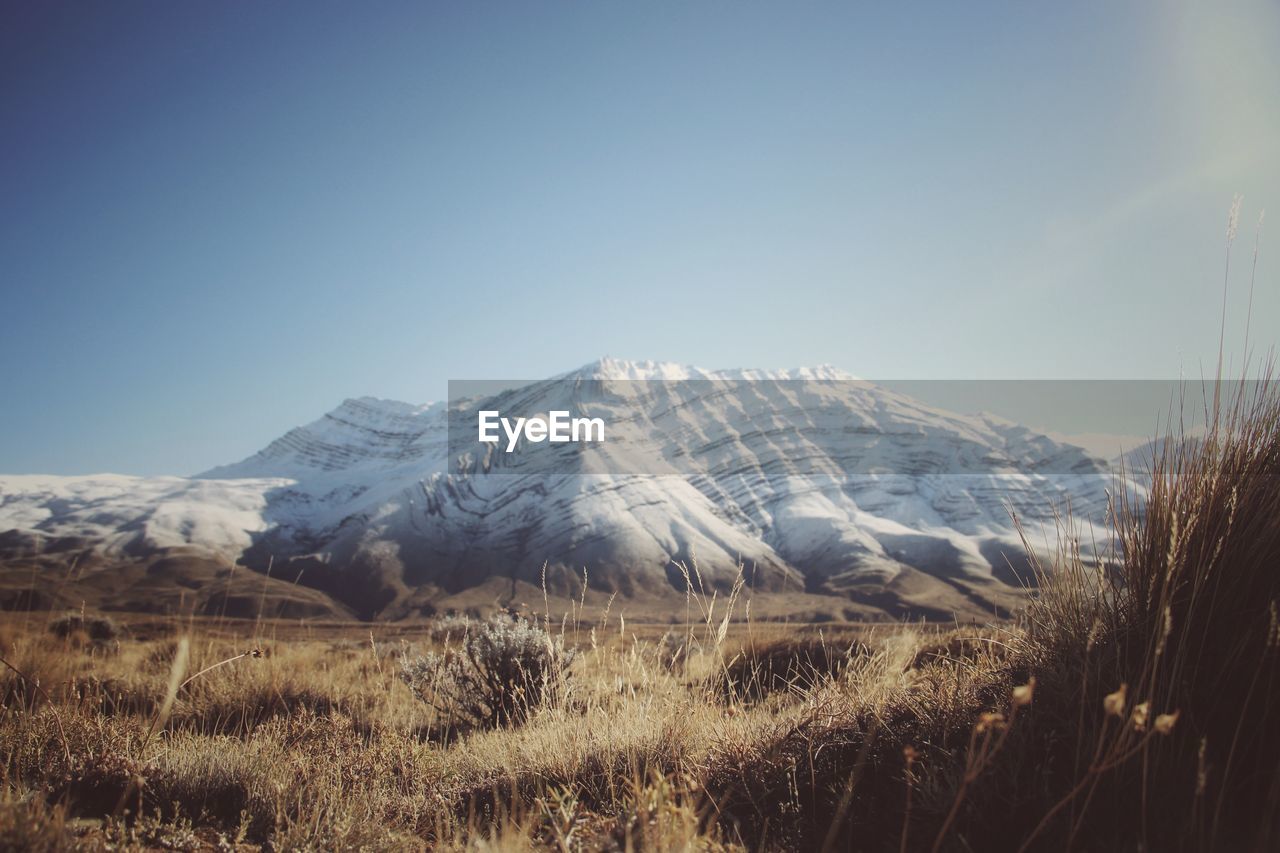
x=818 y=484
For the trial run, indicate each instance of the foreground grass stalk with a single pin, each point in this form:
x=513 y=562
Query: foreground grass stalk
x=980 y=754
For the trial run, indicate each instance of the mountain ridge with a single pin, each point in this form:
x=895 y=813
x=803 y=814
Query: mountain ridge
x=821 y=485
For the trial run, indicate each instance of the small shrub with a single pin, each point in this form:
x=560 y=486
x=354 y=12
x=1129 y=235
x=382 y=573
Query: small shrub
x=759 y=670
x=451 y=627
x=502 y=669
x=969 y=647
x=100 y=630
x=217 y=710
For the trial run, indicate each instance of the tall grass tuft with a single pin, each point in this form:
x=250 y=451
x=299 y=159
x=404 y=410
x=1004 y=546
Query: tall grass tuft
x=1172 y=662
x=1197 y=621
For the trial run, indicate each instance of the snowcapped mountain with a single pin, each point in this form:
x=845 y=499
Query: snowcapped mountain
x=835 y=494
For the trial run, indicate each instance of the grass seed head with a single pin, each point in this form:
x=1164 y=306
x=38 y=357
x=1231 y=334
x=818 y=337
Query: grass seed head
x=1023 y=693
x=1141 y=713
x=1113 y=703
x=990 y=721
x=1165 y=723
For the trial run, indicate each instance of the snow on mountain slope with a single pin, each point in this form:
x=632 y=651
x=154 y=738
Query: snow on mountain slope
x=136 y=513
x=830 y=486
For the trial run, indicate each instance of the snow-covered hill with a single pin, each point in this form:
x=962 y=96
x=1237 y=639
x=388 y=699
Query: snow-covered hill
x=817 y=483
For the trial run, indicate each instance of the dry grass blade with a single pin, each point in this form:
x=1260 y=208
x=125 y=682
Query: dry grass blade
x=177 y=669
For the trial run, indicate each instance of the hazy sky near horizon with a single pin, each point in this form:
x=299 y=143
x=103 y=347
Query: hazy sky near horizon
x=218 y=220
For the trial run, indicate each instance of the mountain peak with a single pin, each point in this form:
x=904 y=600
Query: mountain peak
x=609 y=368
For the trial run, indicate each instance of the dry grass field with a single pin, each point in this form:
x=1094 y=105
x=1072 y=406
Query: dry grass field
x=1135 y=710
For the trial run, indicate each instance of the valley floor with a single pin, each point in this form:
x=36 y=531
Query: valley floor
x=297 y=732
x=150 y=732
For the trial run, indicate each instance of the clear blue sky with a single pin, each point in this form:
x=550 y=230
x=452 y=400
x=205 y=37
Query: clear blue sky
x=219 y=219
